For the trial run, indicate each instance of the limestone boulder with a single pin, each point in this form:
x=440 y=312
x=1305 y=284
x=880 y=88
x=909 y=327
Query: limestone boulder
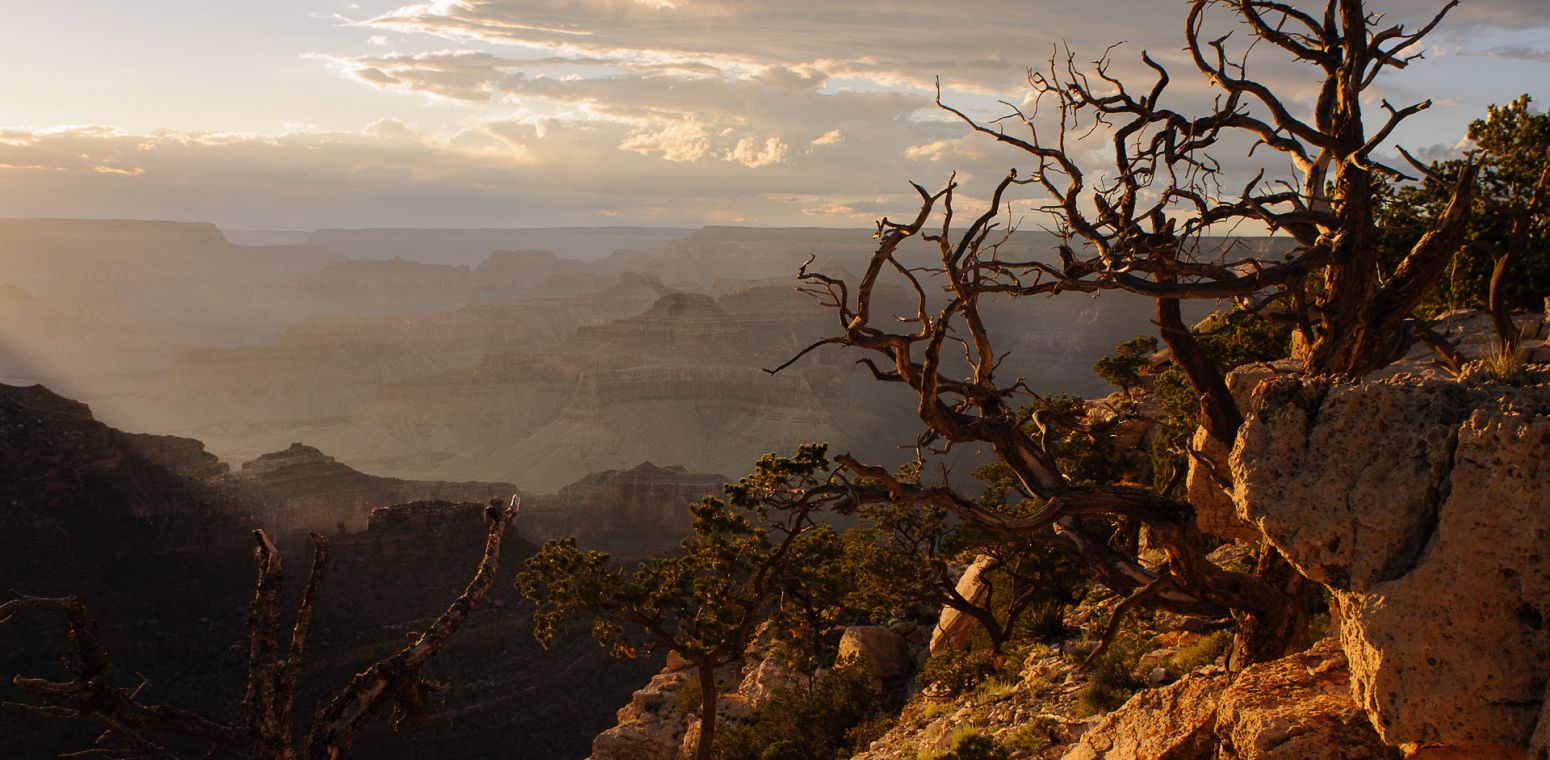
x=1209 y=480
x=953 y=628
x=1209 y=491
x=1175 y=722
x=1419 y=502
x=651 y=727
x=1296 y=708
x=885 y=654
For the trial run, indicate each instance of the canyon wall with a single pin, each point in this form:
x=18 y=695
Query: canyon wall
x=636 y=512
x=150 y=534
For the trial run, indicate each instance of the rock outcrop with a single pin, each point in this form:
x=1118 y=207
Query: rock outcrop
x=953 y=627
x=184 y=456
x=883 y=652
x=1171 y=723
x=660 y=722
x=1295 y=708
x=1419 y=502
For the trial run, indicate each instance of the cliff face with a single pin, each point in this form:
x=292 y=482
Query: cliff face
x=161 y=556
x=1419 y=503
x=631 y=513
x=502 y=689
x=68 y=483
x=133 y=526
x=184 y=456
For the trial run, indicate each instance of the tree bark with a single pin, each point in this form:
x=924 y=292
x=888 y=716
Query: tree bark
x=1218 y=413
x=708 y=699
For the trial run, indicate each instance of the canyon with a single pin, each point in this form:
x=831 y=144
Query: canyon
x=433 y=355
x=154 y=536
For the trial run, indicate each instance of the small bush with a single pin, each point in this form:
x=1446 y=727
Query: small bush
x=952 y=672
x=689 y=694
x=973 y=744
x=1036 y=734
x=839 y=713
x=1113 y=677
x=1047 y=622
x=1502 y=363
x=1203 y=651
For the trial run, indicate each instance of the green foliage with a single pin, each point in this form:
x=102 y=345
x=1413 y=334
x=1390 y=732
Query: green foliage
x=1514 y=142
x=1203 y=651
x=974 y=744
x=1114 y=677
x=756 y=555
x=952 y=672
x=838 y=714
x=1123 y=369
x=1087 y=458
x=906 y=560
x=705 y=600
x=1039 y=733
x=1047 y=623
x=689 y=696
x=1230 y=340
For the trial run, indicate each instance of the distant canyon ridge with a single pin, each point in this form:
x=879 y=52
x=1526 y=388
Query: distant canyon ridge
x=533 y=357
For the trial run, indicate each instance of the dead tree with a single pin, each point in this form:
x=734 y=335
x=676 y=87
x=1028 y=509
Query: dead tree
x=133 y=729
x=1140 y=224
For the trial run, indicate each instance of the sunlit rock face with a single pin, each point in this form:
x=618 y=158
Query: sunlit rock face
x=1419 y=502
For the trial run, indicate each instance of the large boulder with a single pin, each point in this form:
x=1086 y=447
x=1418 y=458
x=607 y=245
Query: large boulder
x=1174 y=722
x=1209 y=480
x=1417 y=501
x=884 y=654
x=954 y=628
x=1295 y=708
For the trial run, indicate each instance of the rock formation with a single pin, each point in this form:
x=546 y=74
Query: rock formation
x=1296 y=708
x=660 y=723
x=628 y=513
x=303 y=489
x=162 y=558
x=1417 y=502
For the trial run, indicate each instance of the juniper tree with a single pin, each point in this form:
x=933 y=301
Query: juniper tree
x=1141 y=223
x=754 y=556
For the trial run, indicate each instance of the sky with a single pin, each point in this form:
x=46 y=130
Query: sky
x=286 y=114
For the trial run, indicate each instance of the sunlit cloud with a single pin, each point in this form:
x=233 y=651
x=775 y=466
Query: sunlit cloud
x=490 y=112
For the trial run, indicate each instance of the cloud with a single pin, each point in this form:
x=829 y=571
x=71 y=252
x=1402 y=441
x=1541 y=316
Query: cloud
x=681 y=141
x=966 y=148
x=751 y=154
x=831 y=137
x=690 y=111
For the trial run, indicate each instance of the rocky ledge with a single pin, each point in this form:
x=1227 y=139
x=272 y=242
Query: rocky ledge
x=1418 y=502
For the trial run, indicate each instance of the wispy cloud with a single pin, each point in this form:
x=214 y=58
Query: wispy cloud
x=678 y=111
